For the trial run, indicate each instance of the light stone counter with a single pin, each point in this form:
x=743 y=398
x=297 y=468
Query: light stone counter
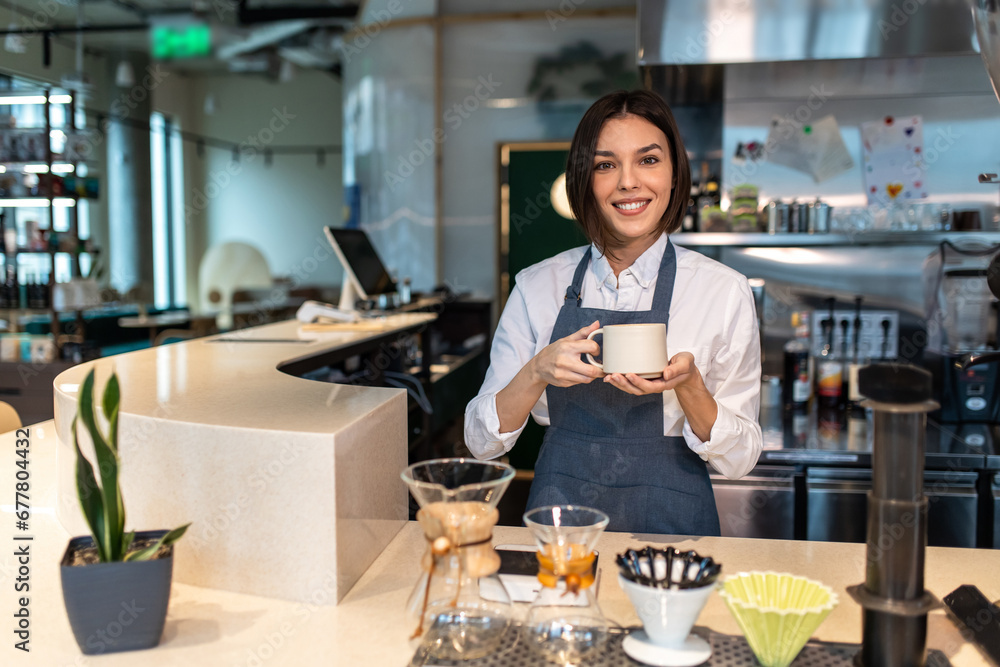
x=225 y=629
x=285 y=479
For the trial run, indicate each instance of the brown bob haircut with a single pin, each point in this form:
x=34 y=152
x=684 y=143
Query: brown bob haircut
x=580 y=164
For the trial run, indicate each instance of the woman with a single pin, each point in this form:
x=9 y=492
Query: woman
x=634 y=448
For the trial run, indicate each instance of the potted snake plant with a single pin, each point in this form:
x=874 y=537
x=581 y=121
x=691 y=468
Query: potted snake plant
x=116 y=584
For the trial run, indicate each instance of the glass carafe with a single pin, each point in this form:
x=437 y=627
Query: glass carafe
x=459 y=609
x=565 y=624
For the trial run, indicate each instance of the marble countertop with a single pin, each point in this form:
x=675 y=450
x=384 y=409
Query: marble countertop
x=232 y=380
x=213 y=627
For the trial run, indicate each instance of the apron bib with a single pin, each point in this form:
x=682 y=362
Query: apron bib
x=605 y=448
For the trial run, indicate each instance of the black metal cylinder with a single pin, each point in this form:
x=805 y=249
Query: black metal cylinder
x=898 y=460
x=897 y=537
x=893 y=597
x=892 y=640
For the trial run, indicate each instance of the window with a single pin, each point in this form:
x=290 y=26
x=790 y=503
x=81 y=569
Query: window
x=169 y=265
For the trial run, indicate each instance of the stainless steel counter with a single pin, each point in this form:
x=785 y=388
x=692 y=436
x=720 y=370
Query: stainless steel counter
x=814 y=475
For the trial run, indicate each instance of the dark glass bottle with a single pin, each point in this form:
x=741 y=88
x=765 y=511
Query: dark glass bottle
x=796 y=389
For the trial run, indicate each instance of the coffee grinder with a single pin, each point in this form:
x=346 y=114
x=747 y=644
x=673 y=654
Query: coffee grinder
x=962 y=334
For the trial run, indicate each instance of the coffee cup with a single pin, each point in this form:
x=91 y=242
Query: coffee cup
x=633 y=348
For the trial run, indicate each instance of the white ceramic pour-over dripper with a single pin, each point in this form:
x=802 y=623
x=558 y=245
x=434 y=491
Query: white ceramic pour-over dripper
x=667 y=614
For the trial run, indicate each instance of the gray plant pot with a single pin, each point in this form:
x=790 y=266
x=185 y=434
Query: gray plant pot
x=116 y=606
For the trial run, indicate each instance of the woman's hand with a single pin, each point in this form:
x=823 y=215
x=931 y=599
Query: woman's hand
x=680 y=374
x=685 y=379
x=559 y=363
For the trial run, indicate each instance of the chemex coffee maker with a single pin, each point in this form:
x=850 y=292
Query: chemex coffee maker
x=962 y=348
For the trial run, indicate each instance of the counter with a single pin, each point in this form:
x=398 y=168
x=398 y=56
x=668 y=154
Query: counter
x=216 y=627
x=212 y=431
x=816 y=468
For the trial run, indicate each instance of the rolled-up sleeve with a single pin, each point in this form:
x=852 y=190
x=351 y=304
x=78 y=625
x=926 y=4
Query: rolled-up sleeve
x=513 y=347
x=735 y=442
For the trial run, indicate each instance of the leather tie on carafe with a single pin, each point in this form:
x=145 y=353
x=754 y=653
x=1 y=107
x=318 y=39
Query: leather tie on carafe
x=455 y=530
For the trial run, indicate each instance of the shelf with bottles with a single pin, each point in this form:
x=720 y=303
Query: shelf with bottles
x=760 y=239
x=37 y=190
x=46 y=177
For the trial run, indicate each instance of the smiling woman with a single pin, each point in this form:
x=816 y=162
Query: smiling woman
x=627 y=159
x=634 y=447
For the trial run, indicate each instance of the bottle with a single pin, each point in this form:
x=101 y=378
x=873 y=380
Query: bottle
x=845 y=358
x=858 y=359
x=829 y=371
x=796 y=389
x=44 y=292
x=13 y=290
x=405 y=292
x=5 y=292
x=31 y=291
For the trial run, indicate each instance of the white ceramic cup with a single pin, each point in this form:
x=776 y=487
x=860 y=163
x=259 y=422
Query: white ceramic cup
x=633 y=348
x=667 y=615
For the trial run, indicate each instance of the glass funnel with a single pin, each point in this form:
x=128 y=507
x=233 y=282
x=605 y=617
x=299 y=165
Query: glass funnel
x=459 y=608
x=565 y=623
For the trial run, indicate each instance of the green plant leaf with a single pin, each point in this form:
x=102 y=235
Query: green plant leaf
x=166 y=540
x=107 y=465
x=90 y=496
x=127 y=541
x=113 y=444
x=112 y=398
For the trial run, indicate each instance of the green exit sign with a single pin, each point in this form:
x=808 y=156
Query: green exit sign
x=189 y=41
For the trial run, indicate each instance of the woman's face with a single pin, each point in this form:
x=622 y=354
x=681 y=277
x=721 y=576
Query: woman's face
x=633 y=176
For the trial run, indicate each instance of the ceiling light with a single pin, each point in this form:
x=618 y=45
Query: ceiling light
x=34 y=99
x=124 y=74
x=286 y=71
x=38 y=203
x=13 y=42
x=58 y=168
x=22 y=99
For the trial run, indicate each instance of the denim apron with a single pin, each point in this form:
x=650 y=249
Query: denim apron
x=605 y=448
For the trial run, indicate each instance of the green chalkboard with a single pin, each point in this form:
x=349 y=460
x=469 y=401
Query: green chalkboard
x=534 y=231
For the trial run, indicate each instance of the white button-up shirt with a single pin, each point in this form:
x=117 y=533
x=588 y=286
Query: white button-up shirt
x=712 y=316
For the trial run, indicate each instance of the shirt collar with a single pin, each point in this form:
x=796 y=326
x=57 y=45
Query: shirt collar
x=644 y=269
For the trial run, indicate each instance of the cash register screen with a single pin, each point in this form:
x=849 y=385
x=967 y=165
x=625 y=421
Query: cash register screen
x=358 y=256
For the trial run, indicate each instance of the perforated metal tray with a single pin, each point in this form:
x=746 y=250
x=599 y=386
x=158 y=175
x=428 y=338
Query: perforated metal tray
x=727 y=651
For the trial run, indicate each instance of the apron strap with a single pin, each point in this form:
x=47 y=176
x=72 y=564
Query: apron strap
x=664 y=292
x=573 y=292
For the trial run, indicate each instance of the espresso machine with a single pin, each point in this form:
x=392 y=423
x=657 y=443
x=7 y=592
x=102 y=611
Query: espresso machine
x=962 y=334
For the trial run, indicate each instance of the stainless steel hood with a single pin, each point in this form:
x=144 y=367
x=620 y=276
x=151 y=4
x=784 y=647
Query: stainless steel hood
x=673 y=32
